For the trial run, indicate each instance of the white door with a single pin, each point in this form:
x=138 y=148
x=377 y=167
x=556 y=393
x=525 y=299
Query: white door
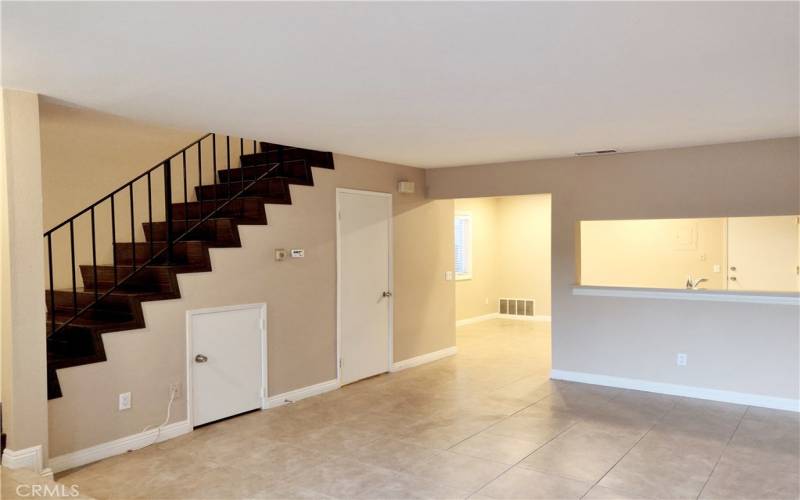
x=364 y=272
x=763 y=254
x=227 y=358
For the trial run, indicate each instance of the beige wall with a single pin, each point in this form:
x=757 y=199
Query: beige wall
x=524 y=251
x=749 y=348
x=478 y=296
x=302 y=345
x=511 y=253
x=22 y=314
x=86 y=155
x=653 y=253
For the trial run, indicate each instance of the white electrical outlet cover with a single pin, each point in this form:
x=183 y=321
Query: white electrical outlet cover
x=682 y=359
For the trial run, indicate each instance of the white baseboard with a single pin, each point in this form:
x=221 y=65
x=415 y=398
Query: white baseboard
x=302 y=393
x=26 y=458
x=679 y=390
x=425 y=358
x=117 y=447
x=491 y=316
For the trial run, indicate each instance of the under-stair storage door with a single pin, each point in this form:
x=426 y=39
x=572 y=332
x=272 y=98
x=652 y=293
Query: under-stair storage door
x=364 y=274
x=228 y=358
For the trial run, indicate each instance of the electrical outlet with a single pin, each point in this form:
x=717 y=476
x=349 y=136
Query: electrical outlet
x=448 y=275
x=681 y=360
x=717 y=268
x=175 y=388
x=125 y=401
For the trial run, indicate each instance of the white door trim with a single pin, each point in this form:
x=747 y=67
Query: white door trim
x=390 y=354
x=190 y=362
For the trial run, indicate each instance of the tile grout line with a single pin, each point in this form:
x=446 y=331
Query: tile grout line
x=526 y=456
x=523 y=458
x=557 y=435
x=495 y=423
x=658 y=421
x=722 y=452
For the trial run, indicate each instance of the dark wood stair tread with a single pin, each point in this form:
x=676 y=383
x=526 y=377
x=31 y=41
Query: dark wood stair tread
x=276 y=188
x=295 y=171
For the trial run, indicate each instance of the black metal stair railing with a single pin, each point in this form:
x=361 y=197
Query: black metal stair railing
x=164 y=170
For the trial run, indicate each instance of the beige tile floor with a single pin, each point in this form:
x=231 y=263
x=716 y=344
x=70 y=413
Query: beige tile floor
x=486 y=423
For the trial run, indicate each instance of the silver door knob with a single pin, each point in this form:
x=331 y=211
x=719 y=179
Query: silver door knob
x=733 y=278
x=387 y=294
x=200 y=358
x=733 y=268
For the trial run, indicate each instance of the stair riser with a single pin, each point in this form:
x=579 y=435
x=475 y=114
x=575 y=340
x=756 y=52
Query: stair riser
x=314 y=158
x=150 y=278
x=272 y=188
x=63 y=302
x=216 y=231
x=249 y=210
x=72 y=346
x=183 y=252
x=296 y=173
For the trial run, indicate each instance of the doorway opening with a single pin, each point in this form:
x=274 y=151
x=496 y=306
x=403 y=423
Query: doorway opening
x=502 y=263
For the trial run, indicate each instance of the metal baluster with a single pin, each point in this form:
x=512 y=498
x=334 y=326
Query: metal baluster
x=52 y=288
x=228 y=156
x=150 y=213
x=113 y=239
x=241 y=178
x=133 y=231
x=168 y=208
x=214 y=162
x=94 y=257
x=254 y=146
x=186 y=196
x=72 y=258
x=200 y=193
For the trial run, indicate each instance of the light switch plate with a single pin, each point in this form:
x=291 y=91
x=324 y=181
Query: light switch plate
x=298 y=253
x=448 y=275
x=125 y=401
x=717 y=268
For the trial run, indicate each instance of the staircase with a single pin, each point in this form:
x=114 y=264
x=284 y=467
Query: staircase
x=111 y=297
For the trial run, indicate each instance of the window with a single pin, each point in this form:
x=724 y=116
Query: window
x=463 y=245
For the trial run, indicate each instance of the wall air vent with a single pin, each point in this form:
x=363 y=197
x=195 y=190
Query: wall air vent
x=516 y=307
x=597 y=153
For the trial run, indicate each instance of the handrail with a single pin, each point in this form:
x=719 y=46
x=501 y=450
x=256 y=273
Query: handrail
x=221 y=201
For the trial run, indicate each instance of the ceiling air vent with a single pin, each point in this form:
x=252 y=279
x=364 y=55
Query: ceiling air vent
x=597 y=153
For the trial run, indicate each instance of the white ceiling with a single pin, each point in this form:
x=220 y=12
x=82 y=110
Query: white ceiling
x=424 y=84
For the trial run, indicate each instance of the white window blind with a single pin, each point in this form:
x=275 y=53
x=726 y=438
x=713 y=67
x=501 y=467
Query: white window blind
x=463 y=246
